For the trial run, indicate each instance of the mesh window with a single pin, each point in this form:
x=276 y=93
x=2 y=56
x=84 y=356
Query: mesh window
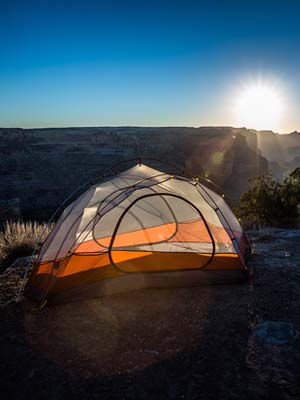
x=161 y=231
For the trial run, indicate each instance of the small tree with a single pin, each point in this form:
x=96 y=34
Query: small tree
x=292 y=188
x=271 y=202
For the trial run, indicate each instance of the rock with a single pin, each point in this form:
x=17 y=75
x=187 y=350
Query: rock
x=275 y=332
x=22 y=262
x=20 y=265
x=281 y=151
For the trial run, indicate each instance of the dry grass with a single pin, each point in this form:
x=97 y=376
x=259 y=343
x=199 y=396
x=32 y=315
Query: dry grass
x=20 y=239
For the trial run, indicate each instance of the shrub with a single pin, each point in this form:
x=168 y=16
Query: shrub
x=271 y=202
x=20 y=239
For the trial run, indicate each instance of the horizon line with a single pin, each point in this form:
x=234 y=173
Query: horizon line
x=143 y=126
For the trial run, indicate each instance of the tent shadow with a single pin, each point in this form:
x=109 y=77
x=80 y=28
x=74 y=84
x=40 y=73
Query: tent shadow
x=150 y=343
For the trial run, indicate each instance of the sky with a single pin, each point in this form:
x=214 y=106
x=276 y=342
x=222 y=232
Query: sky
x=145 y=63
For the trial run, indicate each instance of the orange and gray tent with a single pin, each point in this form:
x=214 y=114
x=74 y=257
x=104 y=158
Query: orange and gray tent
x=142 y=228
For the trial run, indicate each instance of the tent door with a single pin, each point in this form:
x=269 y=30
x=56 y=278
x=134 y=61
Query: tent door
x=161 y=232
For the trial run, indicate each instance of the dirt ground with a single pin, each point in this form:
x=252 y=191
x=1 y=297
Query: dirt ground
x=217 y=342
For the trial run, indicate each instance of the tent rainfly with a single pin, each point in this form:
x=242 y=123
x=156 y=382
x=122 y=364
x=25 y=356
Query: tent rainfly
x=142 y=228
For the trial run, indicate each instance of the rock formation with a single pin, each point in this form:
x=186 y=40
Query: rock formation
x=41 y=166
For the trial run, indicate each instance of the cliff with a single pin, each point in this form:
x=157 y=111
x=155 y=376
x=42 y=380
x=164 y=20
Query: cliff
x=41 y=166
x=282 y=151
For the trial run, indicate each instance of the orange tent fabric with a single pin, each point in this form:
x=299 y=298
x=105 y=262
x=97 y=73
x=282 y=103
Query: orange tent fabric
x=141 y=228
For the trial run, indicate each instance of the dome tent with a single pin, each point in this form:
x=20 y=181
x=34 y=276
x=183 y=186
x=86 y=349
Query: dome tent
x=142 y=228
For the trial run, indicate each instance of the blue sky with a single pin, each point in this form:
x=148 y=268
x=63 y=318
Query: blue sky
x=158 y=63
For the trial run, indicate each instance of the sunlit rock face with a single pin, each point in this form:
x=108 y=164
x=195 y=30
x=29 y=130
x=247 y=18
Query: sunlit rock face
x=282 y=151
x=228 y=161
x=41 y=166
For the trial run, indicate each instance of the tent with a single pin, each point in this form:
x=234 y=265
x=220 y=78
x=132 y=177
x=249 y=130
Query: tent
x=141 y=228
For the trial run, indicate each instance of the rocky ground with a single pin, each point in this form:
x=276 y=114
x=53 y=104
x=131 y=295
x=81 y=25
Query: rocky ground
x=221 y=342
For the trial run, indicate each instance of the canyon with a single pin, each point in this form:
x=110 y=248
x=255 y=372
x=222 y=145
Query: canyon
x=40 y=167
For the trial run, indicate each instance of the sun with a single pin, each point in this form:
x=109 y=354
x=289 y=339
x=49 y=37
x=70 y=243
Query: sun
x=259 y=106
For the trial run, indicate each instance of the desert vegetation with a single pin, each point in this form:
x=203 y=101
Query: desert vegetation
x=20 y=239
x=269 y=201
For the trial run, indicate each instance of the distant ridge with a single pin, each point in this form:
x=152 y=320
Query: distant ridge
x=40 y=166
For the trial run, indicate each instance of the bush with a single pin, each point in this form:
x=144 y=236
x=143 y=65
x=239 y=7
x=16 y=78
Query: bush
x=20 y=239
x=271 y=202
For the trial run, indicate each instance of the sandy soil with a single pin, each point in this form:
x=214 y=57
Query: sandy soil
x=196 y=343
